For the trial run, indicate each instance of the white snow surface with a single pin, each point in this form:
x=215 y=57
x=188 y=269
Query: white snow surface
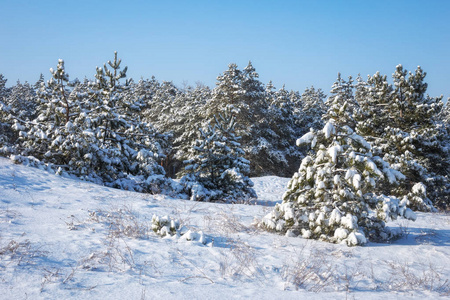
x=60 y=238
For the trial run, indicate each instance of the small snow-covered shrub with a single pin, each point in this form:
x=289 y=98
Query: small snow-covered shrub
x=165 y=225
x=123 y=222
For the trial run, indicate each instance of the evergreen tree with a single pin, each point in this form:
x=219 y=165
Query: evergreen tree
x=43 y=137
x=312 y=108
x=217 y=169
x=22 y=100
x=39 y=82
x=400 y=122
x=186 y=118
x=265 y=119
x=444 y=115
x=162 y=104
x=330 y=197
x=342 y=103
x=241 y=93
x=19 y=106
x=277 y=133
x=373 y=98
x=3 y=89
x=125 y=146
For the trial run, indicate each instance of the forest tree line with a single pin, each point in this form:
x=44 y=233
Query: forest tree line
x=139 y=134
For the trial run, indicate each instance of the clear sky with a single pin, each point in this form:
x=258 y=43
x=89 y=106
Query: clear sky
x=296 y=43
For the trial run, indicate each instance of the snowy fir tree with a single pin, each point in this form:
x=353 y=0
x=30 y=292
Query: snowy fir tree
x=444 y=120
x=331 y=196
x=311 y=108
x=400 y=123
x=238 y=91
x=161 y=104
x=373 y=99
x=177 y=113
x=276 y=135
x=184 y=123
x=42 y=137
x=18 y=106
x=217 y=169
x=230 y=95
x=22 y=100
x=39 y=82
x=4 y=91
x=341 y=102
x=125 y=146
x=264 y=140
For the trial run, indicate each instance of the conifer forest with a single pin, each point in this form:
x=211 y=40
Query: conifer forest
x=365 y=152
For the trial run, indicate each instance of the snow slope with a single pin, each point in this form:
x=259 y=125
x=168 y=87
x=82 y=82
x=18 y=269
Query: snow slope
x=63 y=238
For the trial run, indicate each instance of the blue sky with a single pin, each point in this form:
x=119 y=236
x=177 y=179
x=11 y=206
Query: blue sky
x=296 y=43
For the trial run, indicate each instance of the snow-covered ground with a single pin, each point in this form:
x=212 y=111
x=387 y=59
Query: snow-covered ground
x=63 y=238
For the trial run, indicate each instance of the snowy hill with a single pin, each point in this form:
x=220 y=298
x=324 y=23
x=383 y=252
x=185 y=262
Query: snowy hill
x=63 y=238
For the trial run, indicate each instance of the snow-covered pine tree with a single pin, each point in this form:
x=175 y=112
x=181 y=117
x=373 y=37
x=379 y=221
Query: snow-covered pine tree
x=56 y=96
x=277 y=133
x=444 y=115
x=3 y=89
x=22 y=100
x=19 y=106
x=145 y=91
x=47 y=137
x=443 y=199
x=244 y=95
x=4 y=128
x=128 y=151
x=39 y=82
x=330 y=197
x=422 y=115
x=231 y=95
x=161 y=104
x=217 y=170
x=405 y=131
x=373 y=99
x=312 y=108
x=184 y=120
x=341 y=103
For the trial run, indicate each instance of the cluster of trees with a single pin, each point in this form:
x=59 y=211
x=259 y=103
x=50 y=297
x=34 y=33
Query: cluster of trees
x=87 y=129
x=137 y=135
x=370 y=138
x=383 y=152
